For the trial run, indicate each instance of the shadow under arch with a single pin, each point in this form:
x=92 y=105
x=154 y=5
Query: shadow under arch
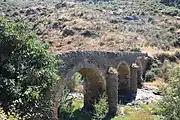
x=124 y=89
x=123 y=70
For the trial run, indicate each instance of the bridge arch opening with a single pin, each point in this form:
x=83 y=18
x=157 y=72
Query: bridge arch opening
x=123 y=70
x=92 y=85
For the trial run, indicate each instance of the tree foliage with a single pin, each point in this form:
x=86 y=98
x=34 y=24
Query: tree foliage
x=27 y=70
x=170 y=105
x=171 y=2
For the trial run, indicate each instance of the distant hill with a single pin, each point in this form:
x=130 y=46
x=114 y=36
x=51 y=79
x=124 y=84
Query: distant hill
x=117 y=25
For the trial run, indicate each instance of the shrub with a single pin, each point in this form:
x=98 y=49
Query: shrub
x=170 y=104
x=157 y=71
x=76 y=82
x=9 y=116
x=71 y=108
x=171 y=2
x=135 y=49
x=101 y=109
x=154 y=65
x=177 y=54
x=167 y=69
x=66 y=107
x=164 y=57
x=27 y=71
x=150 y=76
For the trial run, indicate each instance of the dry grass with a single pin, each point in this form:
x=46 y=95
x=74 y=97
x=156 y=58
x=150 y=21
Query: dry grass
x=140 y=116
x=159 y=82
x=155 y=51
x=112 y=36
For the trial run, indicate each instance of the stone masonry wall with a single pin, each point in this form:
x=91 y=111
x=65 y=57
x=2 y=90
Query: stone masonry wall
x=73 y=61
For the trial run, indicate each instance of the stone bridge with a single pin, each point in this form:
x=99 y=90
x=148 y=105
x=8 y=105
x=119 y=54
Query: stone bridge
x=109 y=72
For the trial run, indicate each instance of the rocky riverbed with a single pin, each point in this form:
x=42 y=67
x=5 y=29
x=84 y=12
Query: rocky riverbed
x=145 y=95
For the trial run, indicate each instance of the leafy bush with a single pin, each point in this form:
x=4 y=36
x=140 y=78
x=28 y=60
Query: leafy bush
x=71 y=108
x=171 y=2
x=162 y=70
x=167 y=70
x=154 y=65
x=27 y=71
x=10 y=116
x=157 y=71
x=66 y=107
x=170 y=104
x=150 y=75
x=177 y=54
x=76 y=81
x=136 y=49
x=101 y=109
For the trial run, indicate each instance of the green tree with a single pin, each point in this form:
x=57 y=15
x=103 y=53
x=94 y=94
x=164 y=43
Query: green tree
x=28 y=71
x=170 y=104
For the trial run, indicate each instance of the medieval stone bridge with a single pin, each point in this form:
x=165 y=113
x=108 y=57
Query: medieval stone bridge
x=103 y=71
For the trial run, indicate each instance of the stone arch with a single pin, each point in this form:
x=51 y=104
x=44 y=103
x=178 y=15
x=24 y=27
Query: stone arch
x=78 y=67
x=123 y=70
x=94 y=84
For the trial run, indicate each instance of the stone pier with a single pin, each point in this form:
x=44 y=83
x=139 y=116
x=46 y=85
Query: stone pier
x=134 y=81
x=112 y=90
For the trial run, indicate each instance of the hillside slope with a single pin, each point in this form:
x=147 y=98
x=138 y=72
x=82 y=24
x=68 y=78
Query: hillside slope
x=112 y=26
